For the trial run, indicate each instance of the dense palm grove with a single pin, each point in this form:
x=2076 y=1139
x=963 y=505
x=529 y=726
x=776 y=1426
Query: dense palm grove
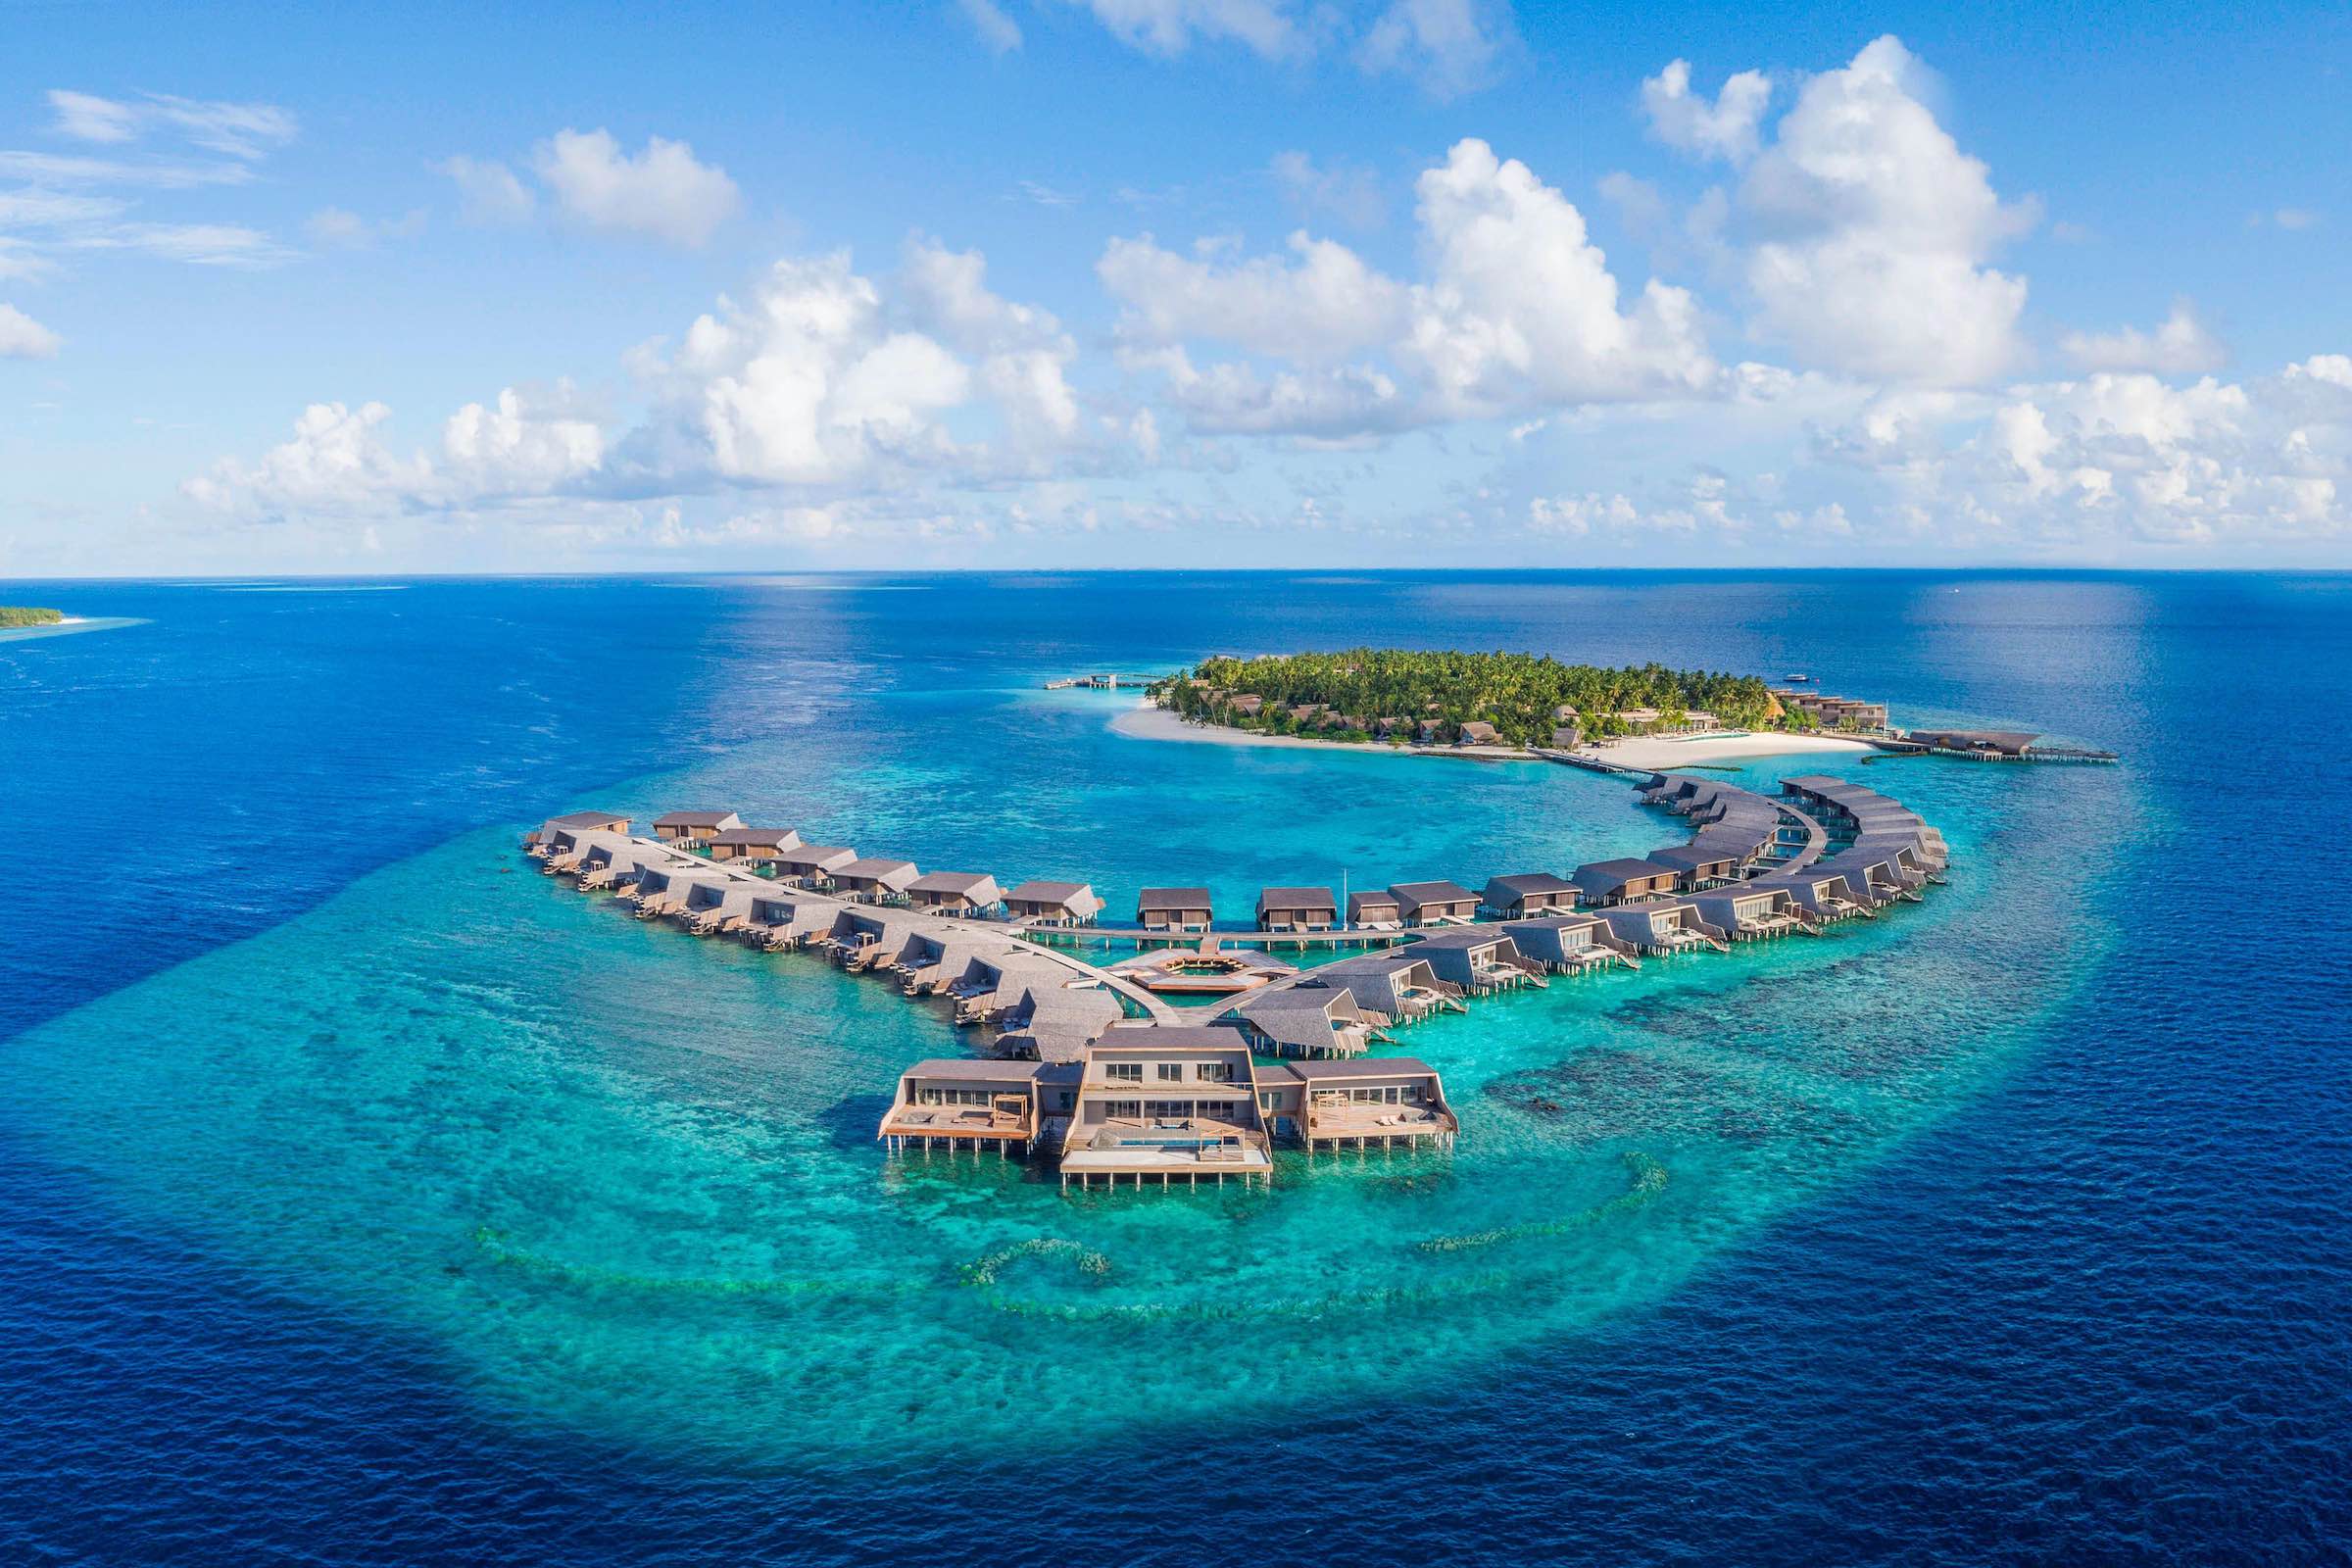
x=1390 y=692
x=25 y=616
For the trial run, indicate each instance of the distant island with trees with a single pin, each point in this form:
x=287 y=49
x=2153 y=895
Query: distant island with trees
x=1458 y=699
x=13 y=616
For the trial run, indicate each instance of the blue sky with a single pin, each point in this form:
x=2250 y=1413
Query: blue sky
x=1171 y=281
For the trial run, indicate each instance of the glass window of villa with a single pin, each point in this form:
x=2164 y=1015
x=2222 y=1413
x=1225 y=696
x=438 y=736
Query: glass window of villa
x=1124 y=1072
x=1216 y=1072
x=1170 y=1072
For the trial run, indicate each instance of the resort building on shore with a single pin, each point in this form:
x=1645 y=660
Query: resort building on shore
x=971 y=895
x=1054 y=903
x=1833 y=713
x=755 y=846
x=1514 y=897
x=1607 y=882
x=691 y=830
x=873 y=880
x=1434 y=902
x=1298 y=910
x=1173 y=909
x=1375 y=910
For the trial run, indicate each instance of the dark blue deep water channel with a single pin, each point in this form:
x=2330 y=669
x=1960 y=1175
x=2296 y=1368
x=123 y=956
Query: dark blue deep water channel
x=365 y=1199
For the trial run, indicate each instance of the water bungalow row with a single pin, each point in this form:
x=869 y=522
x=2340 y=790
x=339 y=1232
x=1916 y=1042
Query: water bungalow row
x=1085 y=1062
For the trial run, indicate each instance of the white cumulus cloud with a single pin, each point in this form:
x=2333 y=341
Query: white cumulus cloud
x=23 y=338
x=2180 y=345
x=661 y=192
x=1878 y=227
x=1320 y=302
x=1724 y=128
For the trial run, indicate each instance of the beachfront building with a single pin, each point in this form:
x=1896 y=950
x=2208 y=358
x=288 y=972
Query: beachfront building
x=1298 y=910
x=873 y=880
x=1375 y=910
x=966 y=1105
x=1607 y=882
x=971 y=895
x=810 y=864
x=1173 y=909
x=1385 y=1101
x=1833 y=713
x=1514 y=897
x=1478 y=732
x=1167 y=1102
x=755 y=846
x=689 y=830
x=1434 y=902
x=1054 y=903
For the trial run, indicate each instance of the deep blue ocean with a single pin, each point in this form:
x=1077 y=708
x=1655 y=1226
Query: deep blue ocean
x=367 y=1199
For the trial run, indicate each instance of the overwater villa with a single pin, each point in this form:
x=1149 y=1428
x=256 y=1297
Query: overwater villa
x=1365 y=1102
x=970 y=893
x=1169 y=1104
x=1571 y=944
x=1514 y=897
x=1390 y=989
x=1306 y=1021
x=1663 y=929
x=1060 y=905
x=963 y=1103
x=1745 y=913
x=1093 y=1067
x=1607 y=882
x=873 y=880
x=1478 y=962
x=1173 y=909
x=810 y=864
x=1298 y=910
x=754 y=846
x=1434 y=902
x=2010 y=745
x=690 y=830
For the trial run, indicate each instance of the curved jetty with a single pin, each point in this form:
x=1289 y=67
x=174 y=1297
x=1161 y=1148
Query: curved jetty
x=1087 y=1064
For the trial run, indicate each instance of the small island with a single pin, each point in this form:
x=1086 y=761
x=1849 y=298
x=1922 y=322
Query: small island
x=1411 y=696
x=12 y=616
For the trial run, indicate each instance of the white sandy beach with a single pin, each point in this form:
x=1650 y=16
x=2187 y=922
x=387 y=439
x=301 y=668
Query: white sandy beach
x=1147 y=720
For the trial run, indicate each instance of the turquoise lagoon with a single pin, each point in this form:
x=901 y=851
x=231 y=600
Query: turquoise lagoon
x=622 y=1182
